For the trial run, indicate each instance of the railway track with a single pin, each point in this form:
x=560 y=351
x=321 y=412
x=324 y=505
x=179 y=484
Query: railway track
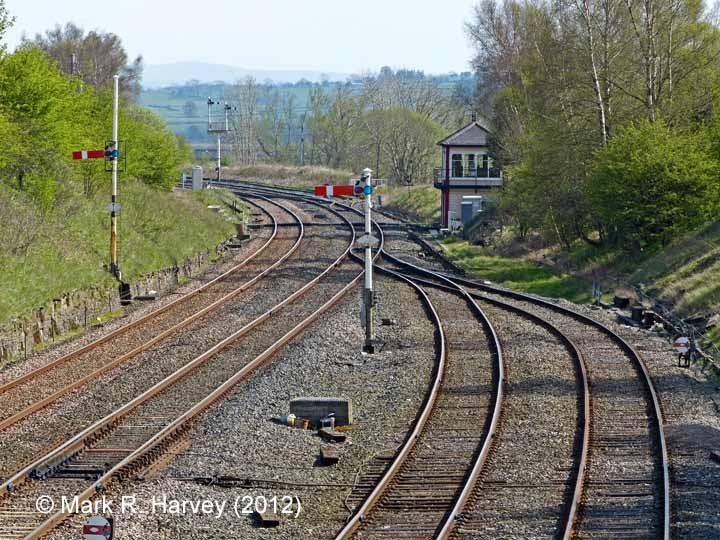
x=31 y=392
x=134 y=435
x=418 y=490
x=624 y=488
x=529 y=486
x=627 y=489
x=76 y=403
x=459 y=472
x=621 y=483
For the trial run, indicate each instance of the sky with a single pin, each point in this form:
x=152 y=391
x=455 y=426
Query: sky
x=322 y=35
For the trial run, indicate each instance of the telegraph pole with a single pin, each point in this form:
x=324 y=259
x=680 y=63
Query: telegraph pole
x=114 y=206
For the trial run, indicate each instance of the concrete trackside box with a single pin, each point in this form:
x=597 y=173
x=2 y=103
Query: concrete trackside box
x=315 y=408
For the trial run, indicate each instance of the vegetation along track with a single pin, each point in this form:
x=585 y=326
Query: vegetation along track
x=133 y=435
x=44 y=385
x=139 y=427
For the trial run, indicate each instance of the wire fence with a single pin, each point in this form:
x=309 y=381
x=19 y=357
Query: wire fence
x=707 y=353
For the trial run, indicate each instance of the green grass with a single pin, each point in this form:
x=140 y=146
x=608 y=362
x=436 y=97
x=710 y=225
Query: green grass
x=155 y=230
x=290 y=176
x=419 y=203
x=687 y=272
x=516 y=273
x=713 y=336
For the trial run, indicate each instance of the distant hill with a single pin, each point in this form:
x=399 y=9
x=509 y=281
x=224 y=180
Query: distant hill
x=160 y=75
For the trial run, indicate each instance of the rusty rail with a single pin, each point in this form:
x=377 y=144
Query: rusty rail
x=636 y=358
x=580 y=362
x=155 y=444
x=656 y=409
x=42 y=403
x=142 y=320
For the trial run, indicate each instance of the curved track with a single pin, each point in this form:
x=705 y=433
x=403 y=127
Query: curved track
x=440 y=483
x=39 y=388
x=625 y=489
x=134 y=435
x=620 y=485
x=416 y=494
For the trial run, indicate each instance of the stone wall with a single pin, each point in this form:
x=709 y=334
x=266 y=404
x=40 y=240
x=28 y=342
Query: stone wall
x=78 y=310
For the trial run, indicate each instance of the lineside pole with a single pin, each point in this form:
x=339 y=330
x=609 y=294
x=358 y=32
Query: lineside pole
x=218 y=158
x=369 y=299
x=114 y=268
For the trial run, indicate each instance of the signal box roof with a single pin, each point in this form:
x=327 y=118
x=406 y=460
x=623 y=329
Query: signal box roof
x=474 y=134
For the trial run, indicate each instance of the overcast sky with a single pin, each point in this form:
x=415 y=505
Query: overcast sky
x=323 y=35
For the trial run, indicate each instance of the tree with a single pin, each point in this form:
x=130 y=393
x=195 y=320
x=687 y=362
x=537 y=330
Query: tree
x=154 y=152
x=6 y=21
x=271 y=123
x=95 y=57
x=335 y=131
x=38 y=101
x=408 y=142
x=317 y=105
x=651 y=184
x=558 y=79
x=244 y=137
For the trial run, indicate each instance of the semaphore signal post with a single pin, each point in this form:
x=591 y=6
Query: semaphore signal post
x=111 y=154
x=218 y=127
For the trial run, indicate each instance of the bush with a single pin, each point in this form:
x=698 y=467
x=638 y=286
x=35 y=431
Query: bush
x=651 y=184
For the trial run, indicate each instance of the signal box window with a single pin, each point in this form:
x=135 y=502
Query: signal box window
x=457 y=165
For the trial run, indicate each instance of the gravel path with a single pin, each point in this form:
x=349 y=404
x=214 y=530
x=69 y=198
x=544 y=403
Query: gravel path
x=236 y=438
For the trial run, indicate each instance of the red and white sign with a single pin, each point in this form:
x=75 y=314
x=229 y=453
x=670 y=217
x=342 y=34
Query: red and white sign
x=89 y=154
x=682 y=345
x=333 y=191
x=97 y=528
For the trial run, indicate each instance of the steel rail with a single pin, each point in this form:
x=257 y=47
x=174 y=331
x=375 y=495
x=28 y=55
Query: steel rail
x=637 y=360
x=42 y=403
x=387 y=478
x=427 y=410
x=581 y=367
x=385 y=482
x=181 y=422
x=481 y=458
x=142 y=320
x=72 y=445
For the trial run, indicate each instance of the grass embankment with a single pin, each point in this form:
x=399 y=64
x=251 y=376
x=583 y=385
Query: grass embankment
x=305 y=177
x=422 y=203
x=518 y=274
x=417 y=203
x=687 y=273
x=66 y=248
